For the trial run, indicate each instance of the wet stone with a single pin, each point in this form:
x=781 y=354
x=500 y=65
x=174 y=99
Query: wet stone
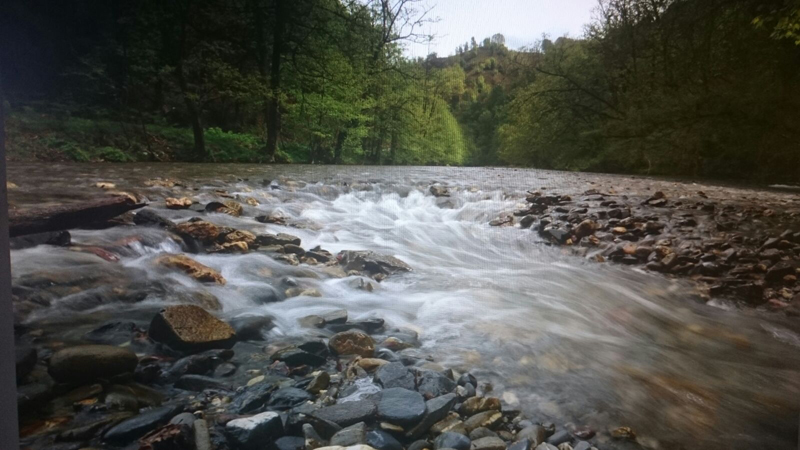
x=485 y=419
x=289 y=443
x=481 y=432
x=251 y=433
x=451 y=440
x=352 y=435
x=394 y=374
x=521 y=444
x=559 y=437
x=199 y=383
x=475 y=405
x=535 y=433
x=349 y=413
x=401 y=406
x=381 y=440
x=488 y=443
x=190 y=328
x=287 y=398
x=433 y=384
x=250 y=327
x=435 y=410
x=294 y=356
x=352 y=343
x=91 y=362
x=137 y=426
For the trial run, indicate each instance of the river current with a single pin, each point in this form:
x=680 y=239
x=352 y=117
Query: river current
x=560 y=337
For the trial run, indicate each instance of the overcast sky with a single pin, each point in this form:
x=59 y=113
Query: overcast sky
x=522 y=22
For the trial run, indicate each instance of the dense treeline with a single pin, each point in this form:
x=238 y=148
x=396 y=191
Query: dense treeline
x=323 y=80
x=684 y=87
x=677 y=87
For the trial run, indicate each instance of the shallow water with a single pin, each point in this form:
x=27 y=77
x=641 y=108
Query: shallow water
x=562 y=338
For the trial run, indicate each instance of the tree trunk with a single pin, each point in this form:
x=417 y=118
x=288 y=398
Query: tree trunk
x=63 y=217
x=191 y=106
x=393 y=148
x=273 y=104
x=337 y=151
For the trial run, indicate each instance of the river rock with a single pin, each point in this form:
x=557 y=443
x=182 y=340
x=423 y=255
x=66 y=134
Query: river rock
x=288 y=397
x=192 y=268
x=559 y=437
x=433 y=384
x=26 y=358
x=137 y=426
x=352 y=343
x=381 y=440
x=439 y=191
x=294 y=356
x=451 y=440
x=200 y=383
x=178 y=203
x=280 y=239
x=488 y=443
x=485 y=419
x=255 y=432
x=87 y=363
x=401 y=406
x=241 y=236
x=349 y=413
x=352 y=435
x=289 y=443
x=474 y=405
x=199 y=230
x=149 y=218
x=535 y=433
x=371 y=262
x=56 y=238
x=435 y=410
x=780 y=270
x=250 y=327
x=190 y=328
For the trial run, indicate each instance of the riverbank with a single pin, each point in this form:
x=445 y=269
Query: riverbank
x=586 y=346
x=738 y=248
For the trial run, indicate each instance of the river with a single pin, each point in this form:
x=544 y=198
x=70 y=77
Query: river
x=562 y=338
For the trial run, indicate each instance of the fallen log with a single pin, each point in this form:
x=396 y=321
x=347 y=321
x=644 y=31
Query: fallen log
x=65 y=217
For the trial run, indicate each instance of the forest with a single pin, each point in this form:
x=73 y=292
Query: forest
x=697 y=88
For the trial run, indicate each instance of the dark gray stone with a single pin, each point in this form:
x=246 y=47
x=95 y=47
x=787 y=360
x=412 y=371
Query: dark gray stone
x=420 y=445
x=435 y=410
x=401 y=406
x=287 y=398
x=149 y=218
x=488 y=443
x=200 y=383
x=26 y=358
x=289 y=443
x=57 y=238
x=294 y=356
x=481 y=432
x=183 y=419
x=381 y=440
x=137 y=426
x=582 y=445
x=250 y=327
x=433 y=384
x=349 y=413
x=352 y=435
x=559 y=437
x=394 y=375
x=451 y=440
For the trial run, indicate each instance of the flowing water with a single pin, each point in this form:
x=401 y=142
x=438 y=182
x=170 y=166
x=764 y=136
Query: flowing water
x=559 y=337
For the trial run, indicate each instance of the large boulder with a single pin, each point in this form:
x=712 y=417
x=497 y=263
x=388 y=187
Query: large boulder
x=190 y=328
x=87 y=363
x=371 y=262
x=192 y=268
x=352 y=343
